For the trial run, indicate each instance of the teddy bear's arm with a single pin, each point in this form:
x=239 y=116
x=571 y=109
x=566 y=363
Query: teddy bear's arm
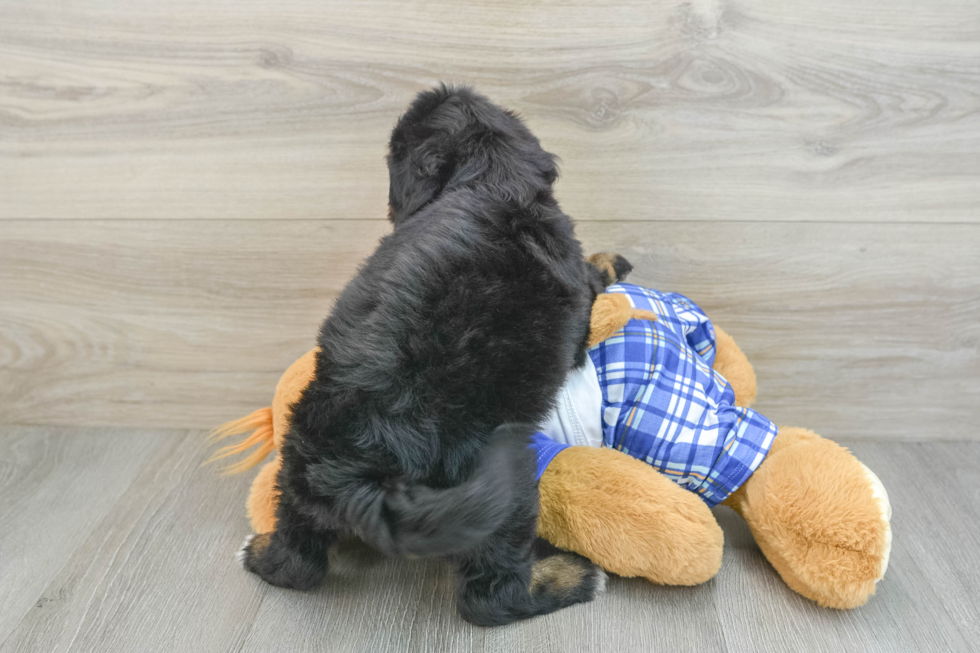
x=610 y=313
x=732 y=364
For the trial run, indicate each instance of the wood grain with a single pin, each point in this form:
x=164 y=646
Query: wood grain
x=705 y=110
x=858 y=331
x=142 y=322
x=49 y=505
x=156 y=572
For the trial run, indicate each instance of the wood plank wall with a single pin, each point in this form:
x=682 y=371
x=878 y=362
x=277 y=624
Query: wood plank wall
x=186 y=186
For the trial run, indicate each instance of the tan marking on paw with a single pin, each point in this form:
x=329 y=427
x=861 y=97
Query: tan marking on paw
x=559 y=573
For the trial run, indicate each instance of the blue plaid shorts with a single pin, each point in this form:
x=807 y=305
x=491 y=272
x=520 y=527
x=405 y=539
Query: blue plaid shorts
x=663 y=403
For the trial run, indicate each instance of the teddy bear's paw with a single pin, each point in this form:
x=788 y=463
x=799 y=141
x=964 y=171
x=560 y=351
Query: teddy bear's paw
x=821 y=518
x=881 y=496
x=627 y=517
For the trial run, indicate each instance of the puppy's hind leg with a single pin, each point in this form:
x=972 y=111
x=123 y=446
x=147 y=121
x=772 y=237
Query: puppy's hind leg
x=503 y=581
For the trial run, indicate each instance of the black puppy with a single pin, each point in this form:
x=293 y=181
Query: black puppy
x=451 y=341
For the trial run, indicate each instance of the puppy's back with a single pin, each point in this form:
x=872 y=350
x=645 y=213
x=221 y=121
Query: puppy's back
x=466 y=317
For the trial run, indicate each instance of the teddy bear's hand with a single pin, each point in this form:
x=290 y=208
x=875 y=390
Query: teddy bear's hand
x=628 y=518
x=732 y=364
x=610 y=313
x=820 y=517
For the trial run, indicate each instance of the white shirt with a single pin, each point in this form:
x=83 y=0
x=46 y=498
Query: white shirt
x=577 y=417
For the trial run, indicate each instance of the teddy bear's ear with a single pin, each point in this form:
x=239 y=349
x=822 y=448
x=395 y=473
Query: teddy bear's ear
x=613 y=268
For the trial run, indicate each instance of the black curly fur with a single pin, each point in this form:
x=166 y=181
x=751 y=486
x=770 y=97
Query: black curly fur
x=452 y=339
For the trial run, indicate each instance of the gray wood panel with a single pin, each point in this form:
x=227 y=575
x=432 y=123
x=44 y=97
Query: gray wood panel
x=156 y=572
x=857 y=331
x=55 y=488
x=153 y=574
x=706 y=110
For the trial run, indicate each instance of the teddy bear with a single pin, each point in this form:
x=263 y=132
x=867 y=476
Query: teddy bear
x=644 y=439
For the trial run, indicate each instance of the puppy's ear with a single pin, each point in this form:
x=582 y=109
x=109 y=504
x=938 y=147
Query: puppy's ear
x=417 y=175
x=452 y=136
x=422 y=151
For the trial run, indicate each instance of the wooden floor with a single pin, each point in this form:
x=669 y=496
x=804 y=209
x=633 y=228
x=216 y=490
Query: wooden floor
x=118 y=541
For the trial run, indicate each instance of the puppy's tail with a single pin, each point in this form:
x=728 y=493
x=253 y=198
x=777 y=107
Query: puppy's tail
x=259 y=422
x=410 y=519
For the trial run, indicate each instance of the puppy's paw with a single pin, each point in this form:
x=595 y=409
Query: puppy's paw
x=567 y=578
x=601 y=578
x=264 y=555
x=242 y=552
x=613 y=267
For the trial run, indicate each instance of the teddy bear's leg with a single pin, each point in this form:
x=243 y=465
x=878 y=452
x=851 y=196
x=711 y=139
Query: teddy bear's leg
x=732 y=364
x=628 y=518
x=289 y=390
x=820 y=517
x=263 y=498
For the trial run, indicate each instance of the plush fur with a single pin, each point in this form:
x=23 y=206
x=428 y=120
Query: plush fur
x=599 y=499
x=451 y=340
x=289 y=390
x=812 y=510
x=263 y=498
x=732 y=364
x=610 y=313
x=611 y=266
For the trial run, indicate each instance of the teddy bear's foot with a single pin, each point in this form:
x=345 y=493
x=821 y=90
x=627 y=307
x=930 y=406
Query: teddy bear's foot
x=820 y=517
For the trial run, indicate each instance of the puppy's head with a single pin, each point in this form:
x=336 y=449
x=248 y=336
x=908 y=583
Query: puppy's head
x=451 y=137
